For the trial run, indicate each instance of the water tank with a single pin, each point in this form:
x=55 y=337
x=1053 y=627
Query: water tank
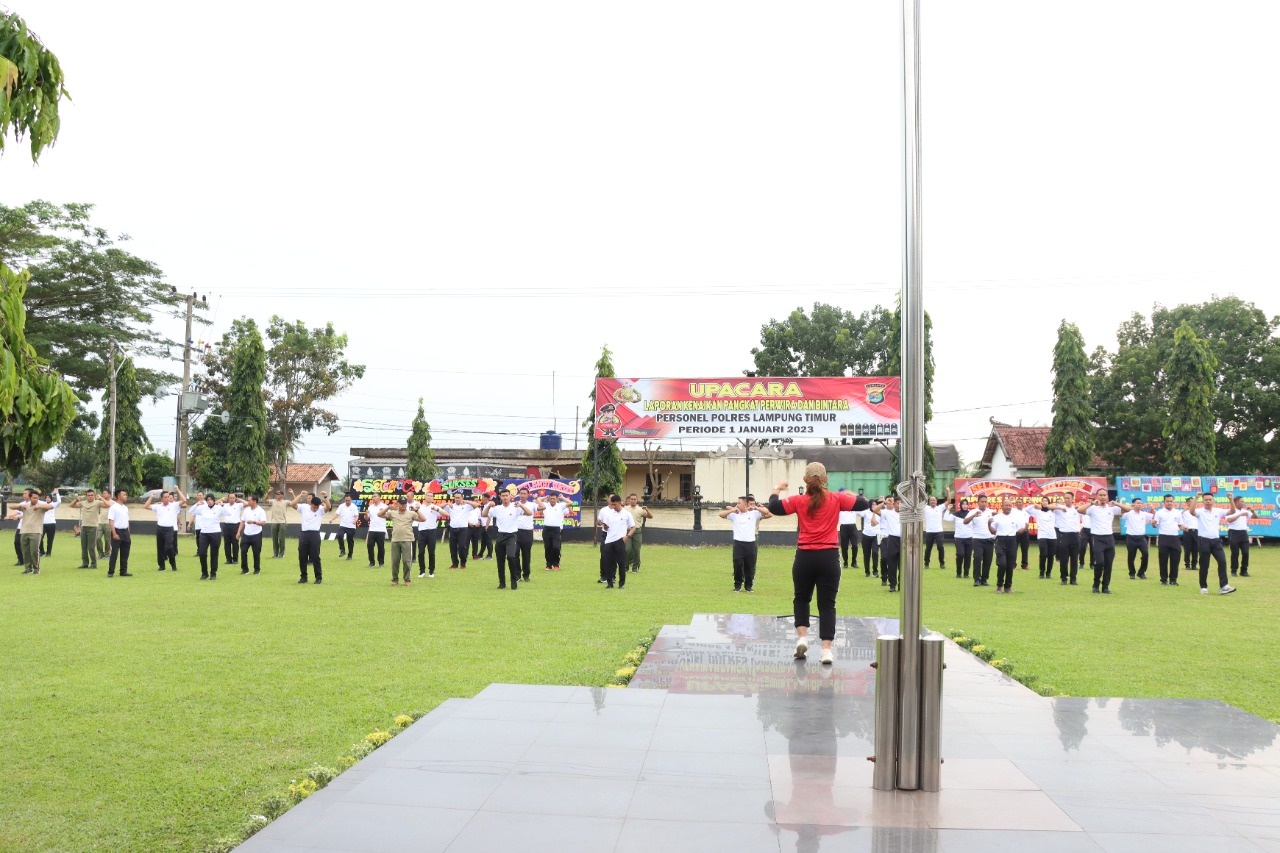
x=549 y=440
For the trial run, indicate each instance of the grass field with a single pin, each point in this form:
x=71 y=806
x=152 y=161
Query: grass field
x=151 y=713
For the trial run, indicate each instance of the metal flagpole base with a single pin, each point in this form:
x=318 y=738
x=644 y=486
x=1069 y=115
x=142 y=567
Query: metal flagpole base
x=885 y=775
x=931 y=667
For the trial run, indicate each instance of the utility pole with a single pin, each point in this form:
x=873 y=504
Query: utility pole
x=111 y=475
x=184 y=421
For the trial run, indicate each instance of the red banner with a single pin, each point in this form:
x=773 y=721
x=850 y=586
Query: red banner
x=770 y=407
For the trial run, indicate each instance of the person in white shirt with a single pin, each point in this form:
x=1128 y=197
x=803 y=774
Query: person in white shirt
x=167 y=512
x=933 y=529
x=1190 y=539
x=428 y=535
x=619 y=526
x=1067 y=522
x=554 y=511
x=1101 y=516
x=1134 y=521
x=459 y=515
x=506 y=516
x=207 y=516
x=376 y=537
x=1024 y=535
x=745 y=516
x=230 y=524
x=1238 y=535
x=524 y=533
x=1046 y=537
x=848 y=537
x=121 y=541
x=1004 y=526
x=979 y=520
x=1168 y=521
x=891 y=544
x=962 y=535
x=482 y=529
x=249 y=532
x=50 y=522
x=312 y=514
x=1209 y=541
x=870 y=540
x=347 y=514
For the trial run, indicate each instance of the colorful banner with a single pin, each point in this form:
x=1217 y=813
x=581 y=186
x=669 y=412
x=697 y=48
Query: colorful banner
x=1261 y=493
x=439 y=490
x=569 y=490
x=1060 y=489
x=799 y=408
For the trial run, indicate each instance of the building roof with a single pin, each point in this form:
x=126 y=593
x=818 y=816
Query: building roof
x=307 y=472
x=868 y=457
x=526 y=457
x=1023 y=446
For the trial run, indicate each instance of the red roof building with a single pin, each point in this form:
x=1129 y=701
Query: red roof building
x=1014 y=452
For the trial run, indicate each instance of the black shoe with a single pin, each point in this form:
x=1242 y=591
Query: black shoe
x=1064 y=581
x=83 y=566
x=514 y=587
x=737 y=589
x=213 y=577
x=124 y=574
x=608 y=585
x=868 y=574
x=1173 y=583
x=109 y=574
x=602 y=580
x=371 y=565
x=635 y=571
x=1106 y=591
x=257 y=571
x=1164 y=583
x=875 y=573
x=244 y=571
x=302 y=580
x=1133 y=577
x=525 y=579
x=1244 y=574
x=204 y=577
x=348 y=557
x=502 y=586
x=317 y=580
x=1073 y=582
x=1096 y=590
x=1142 y=577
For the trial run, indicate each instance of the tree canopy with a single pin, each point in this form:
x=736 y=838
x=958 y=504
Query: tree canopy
x=1069 y=449
x=31 y=87
x=1189 y=434
x=132 y=443
x=602 y=467
x=828 y=342
x=422 y=459
x=246 y=438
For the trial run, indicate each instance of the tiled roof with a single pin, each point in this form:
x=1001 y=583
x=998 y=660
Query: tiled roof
x=306 y=472
x=1023 y=445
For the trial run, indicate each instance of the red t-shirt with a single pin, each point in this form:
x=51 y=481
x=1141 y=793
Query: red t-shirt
x=821 y=529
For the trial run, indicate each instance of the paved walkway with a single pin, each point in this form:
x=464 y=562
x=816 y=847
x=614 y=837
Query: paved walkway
x=722 y=743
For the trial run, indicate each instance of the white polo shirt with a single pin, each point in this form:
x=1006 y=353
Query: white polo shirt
x=376 y=524
x=1135 y=522
x=253 y=519
x=1045 y=521
x=166 y=514
x=1067 y=520
x=553 y=515
x=848 y=516
x=311 y=518
x=506 y=518
x=208 y=519
x=616 y=523
x=459 y=515
x=933 y=518
x=525 y=522
x=1189 y=520
x=961 y=530
x=118 y=515
x=744 y=524
x=1101 y=519
x=978 y=524
x=347 y=514
x=890 y=522
x=870 y=523
x=1006 y=524
x=1168 y=521
x=1241 y=523
x=1208 y=521
x=51 y=517
x=233 y=511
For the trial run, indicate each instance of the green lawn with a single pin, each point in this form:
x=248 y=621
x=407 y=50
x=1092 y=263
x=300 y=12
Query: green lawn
x=151 y=713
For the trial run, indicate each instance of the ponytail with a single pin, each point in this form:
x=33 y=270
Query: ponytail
x=817 y=493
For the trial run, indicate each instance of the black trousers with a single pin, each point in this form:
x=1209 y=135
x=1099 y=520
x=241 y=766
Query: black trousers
x=1212 y=547
x=1086 y=548
x=1239 y=541
x=1048 y=552
x=120 y=549
x=309 y=552
x=870 y=554
x=505 y=553
x=964 y=556
x=1190 y=549
x=376 y=540
x=459 y=542
x=230 y=546
x=931 y=539
x=1068 y=553
x=207 y=547
x=1104 y=555
x=890 y=557
x=552 y=539
x=744 y=564
x=17 y=542
x=1137 y=545
x=251 y=542
x=1023 y=538
x=1006 y=560
x=167 y=547
x=50 y=530
x=524 y=544
x=818 y=570
x=482 y=542
x=427 y=539
x=1170 y=554
x=347 y=541
x=848 y=542
x=613 y=562
x=983 y=551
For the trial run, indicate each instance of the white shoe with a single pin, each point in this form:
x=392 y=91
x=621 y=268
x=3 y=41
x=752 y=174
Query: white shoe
x=1227 y=590
x=827 y=657
x=802 y=648
x=422 y=574
x=1204 y=590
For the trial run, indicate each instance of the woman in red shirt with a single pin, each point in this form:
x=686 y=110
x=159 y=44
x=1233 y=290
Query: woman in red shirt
x=817 y=562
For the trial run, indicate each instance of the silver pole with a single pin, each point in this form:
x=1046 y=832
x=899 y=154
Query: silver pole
x=885 y=773
x=931 y=666
x=912 y=489
x=111 y=472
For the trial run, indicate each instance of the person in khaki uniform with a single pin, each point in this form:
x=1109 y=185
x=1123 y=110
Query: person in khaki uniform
x=402 y=536
x=276 y=517
x=32 y=514
x=92 y=511
x=104 y=525
x=639 y=512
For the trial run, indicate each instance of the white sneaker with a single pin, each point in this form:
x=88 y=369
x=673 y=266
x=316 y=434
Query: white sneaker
x=1227 y=590
x=422 y=574
x=802 y=648
x=1204 y=590
x=827 y=657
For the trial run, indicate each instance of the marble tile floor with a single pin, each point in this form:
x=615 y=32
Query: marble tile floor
x=724 y=743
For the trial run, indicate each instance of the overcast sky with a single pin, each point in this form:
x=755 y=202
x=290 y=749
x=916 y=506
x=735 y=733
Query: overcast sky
x=482 y=194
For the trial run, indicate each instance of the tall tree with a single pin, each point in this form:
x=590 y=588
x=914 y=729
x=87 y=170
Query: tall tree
x=35 y=404
x=828 y=342
x=155 y=466
x=75 y=458
x=30 y=86
x=1069 y=449
x=422 y=459
x=86 y=292
x=1190 y=374
x=208 y=462
x=602 y=467
x=131 y=439
x=246 y=439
